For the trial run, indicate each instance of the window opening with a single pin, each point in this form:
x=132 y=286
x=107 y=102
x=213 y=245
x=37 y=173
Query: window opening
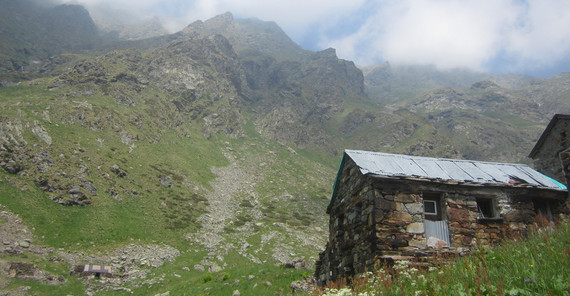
x=542 y=207
x=486 y=208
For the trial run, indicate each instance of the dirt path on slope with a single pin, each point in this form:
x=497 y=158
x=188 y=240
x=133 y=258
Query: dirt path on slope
x=224 y=200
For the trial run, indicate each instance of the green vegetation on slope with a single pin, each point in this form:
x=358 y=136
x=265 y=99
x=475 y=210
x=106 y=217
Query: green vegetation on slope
x=149 y=172
x=537 y=265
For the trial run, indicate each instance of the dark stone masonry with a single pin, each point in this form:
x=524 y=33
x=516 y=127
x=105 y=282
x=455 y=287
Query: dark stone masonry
x=550 y=154
x=565 y=159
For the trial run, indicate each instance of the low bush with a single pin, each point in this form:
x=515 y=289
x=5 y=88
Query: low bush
x=207 y=277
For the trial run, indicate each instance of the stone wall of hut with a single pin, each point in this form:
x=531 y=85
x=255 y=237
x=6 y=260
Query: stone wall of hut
x=468 y=230
x=565 y=160
x=373 y=218
x=368 y=220
x=351 y=227
x=548 y=159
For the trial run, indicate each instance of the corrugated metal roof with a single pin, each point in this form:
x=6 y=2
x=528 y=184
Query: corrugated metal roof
x=97 y=268
x=441 y=169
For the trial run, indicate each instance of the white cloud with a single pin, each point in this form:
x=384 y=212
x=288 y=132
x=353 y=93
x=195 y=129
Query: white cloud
x=461 y=33
x=294 y=16
x=446 y=33
x=542 y=35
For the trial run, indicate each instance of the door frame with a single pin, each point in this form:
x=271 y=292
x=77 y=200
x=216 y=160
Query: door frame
x=435 y=222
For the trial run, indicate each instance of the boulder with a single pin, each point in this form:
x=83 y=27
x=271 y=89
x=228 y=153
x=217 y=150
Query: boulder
x=436 y=243
x=297 y=264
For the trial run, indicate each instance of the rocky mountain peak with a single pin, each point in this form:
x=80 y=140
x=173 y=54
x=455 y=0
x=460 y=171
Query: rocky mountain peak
x=487 y=84
x=248 y=36
x=221 y=21
x=217 y=23
x=327 y=53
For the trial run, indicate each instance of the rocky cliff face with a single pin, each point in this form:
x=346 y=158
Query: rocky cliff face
x=482 y=96
x=305 y=96
x=294 y=93
x=490 y=122
x=32 y=33
x=550 y=94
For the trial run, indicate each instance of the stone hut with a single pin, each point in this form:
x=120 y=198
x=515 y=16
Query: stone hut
x=92 y=271
x=551 y=154
x=385 y=207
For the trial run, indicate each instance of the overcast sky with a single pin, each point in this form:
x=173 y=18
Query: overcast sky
x=500 y=36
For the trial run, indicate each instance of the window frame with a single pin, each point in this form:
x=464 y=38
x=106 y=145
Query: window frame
x=434 y=202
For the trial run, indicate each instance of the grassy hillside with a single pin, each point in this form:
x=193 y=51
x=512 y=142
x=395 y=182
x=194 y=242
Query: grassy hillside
x=149 y=176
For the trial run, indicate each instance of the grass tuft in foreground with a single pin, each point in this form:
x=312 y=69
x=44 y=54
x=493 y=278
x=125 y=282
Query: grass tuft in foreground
x=538 y=265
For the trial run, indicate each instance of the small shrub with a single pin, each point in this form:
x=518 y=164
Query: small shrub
x=177 y=177
x=207 y=277
x=246 y=204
